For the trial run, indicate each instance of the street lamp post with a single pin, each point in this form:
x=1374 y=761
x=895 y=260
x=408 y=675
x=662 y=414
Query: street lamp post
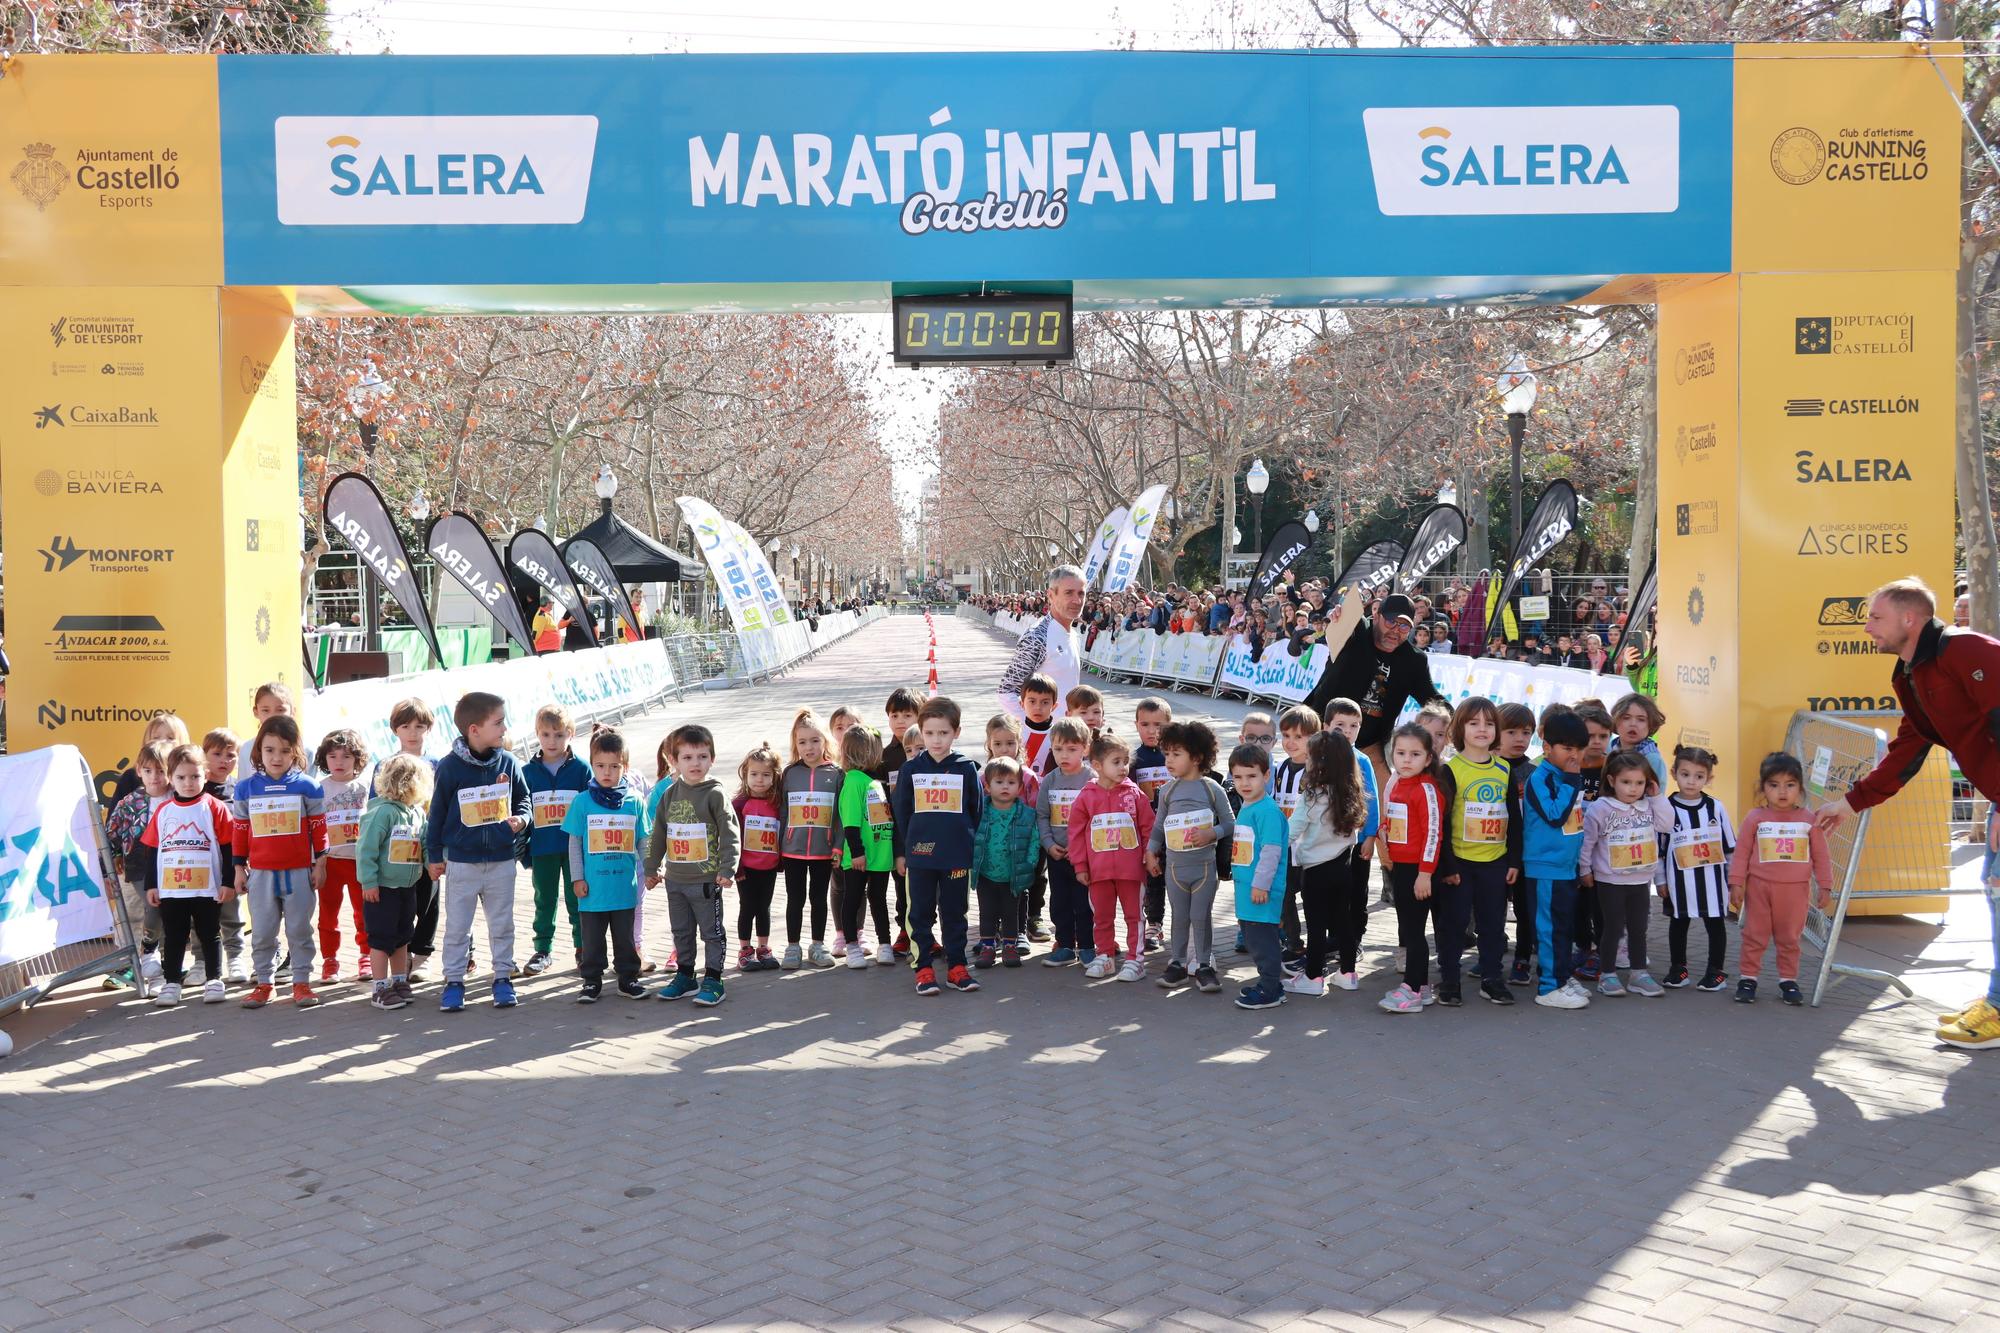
x=1517 y=398
x=1257 y=480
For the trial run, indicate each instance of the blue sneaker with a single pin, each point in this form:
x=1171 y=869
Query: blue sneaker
x=1259 y=998
x=503 y=993
x=1059 y=958
x=1241 y=947
x=710 y=993
x=680 y=987
x=453 y=997
x=1086 y=956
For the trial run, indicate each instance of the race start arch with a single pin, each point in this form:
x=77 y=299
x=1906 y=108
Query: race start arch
x=1792 y=210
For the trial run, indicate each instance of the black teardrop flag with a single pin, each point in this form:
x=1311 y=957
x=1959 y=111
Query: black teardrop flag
x=1553 y=519
x=1635 y=615
x=1438 y=533
x=531 y=552
x=1289 y=545
x=588 y=562
x=462 y=550
x=1372 y=570
x=353 y=511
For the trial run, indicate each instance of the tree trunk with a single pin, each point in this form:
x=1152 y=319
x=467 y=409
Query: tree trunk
x=1975 y=513
x=1645 y=490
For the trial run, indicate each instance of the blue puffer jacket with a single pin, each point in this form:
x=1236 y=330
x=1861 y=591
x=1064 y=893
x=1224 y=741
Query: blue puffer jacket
x=448 y=838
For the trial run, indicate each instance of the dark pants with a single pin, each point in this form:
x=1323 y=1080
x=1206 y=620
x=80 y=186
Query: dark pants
x=1587 y=922
x=1677 y=942
x=1261 y=938
x=1350 y=910
x=625 y=954
x=1038 y=890
x=1626 y=909
x=392 y=918
x=179 y=917
x=1555 y=909
x=902 y=899
x=753 y=903
x=423 y=935
x=938 y=896
x=1483 y=884
x=1290 y=916
x=1319 y=893
x=1446 y=911
x=803 y=878
x=1156 y=901
x=1069 y=907
x=863 y=888
x=999 y=912
x=1523 y=895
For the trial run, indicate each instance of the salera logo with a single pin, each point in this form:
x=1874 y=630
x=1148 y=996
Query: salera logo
x=39 y=177
x=361 y=171
x=1484 y=160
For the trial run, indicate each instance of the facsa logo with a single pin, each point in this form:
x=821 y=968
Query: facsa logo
x=1482 y=160
x=372 y=171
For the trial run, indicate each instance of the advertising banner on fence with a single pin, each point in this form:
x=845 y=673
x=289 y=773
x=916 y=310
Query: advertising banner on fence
x=531 y=552
x=1101 y=544
x=1438 y=533
x=51 y=880
x=1130 y=547
x=1276 y=674
x=463 y=551
x=354 y=512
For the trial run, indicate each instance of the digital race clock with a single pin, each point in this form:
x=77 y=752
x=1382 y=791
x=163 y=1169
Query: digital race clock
x=970 y=329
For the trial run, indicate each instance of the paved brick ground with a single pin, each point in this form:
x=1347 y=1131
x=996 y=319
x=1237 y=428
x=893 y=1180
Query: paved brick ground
x=827 y=1150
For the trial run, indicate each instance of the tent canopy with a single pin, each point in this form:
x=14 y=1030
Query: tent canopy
x=636 y=557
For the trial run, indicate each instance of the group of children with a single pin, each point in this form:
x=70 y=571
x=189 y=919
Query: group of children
x=1065 y=815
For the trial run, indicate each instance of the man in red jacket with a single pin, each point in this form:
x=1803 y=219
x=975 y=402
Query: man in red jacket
x=1948 y=682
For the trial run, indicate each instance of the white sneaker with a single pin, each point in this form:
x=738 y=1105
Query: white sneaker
x=817 y=956
x=169 y=997
x=885 y=956
x=1131 y=970
x=1562 y=997
x=1304 y=985
x=857 y=957
x=1345 y=981
x=1578 y=989
x=1624 y=956
x=1100 y=967
x=214 y=993
x=149 y=968
x=237 y=971
x=194 y=975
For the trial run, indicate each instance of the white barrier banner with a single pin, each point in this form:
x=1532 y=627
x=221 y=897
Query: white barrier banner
x=51 y=881
x=1277 y=674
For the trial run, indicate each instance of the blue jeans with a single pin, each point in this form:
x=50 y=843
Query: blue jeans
x=1555 y=908
x=1266 y=948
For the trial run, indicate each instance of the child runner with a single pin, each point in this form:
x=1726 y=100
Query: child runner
x=220 y=751
x=1260 y=847
x=1621 y=858
x=411 y=720
x=1517 y=730
x=1698 y=852
x=1977 y=1026
x=937 y=807
x=1552 y=848
x=605 y=827
x=342 y=755
x=279 y=833
x=1351 y=890
x=1780 y=855
x=1635 y=719
x=901 y=712
x=1069 y=904
x=128 y=819
x=1114 y=819
x=1296 y=727
x=272 y=699
x=1003 y=741
x=1085 y=703
x=1414 y=846
x=1588 y=924
x=1332 y=814
x=1194 y=818
x=809 y=786
x=186 y=856
x=867 y=839
x=757 y=822
x=480 y=804
x=695 y=831
x=1476 y=785
x=389 y=861
x=1149 y=770
x=1004 y=851
x=838 y=723
x=163 y=727
x=555 y=778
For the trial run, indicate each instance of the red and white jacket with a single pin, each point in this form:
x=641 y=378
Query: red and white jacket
x=187 y=847
x=280 y=822
x=1413 y=822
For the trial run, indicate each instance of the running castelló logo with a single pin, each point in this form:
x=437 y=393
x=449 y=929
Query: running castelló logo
x=38 y=176
x=371 y=171
x=1486 y=160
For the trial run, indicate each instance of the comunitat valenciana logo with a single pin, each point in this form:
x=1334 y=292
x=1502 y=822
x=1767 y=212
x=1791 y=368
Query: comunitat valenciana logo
x=372 y=171
x=1485 y=160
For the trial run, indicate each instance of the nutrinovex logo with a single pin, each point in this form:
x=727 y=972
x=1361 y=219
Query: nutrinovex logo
x=365 y=171
x=55 y=714
x=1484 y=160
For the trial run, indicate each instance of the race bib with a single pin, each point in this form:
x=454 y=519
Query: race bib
x=1113 y=831
x=1697 y=847
x=342 y=827
x=1396 y=822
x=878 y=809
x=1180 y=826
x=891 y=783
x=1787 y=842
x=687 y=844
x=480 y=806
x=1574 y=824
x=1288 y=802
x=760 y=834
x=1243 y=849
x=937 y=793
x=406 y=845
x=1632 y=848
x=1485 y=822
x=614 y=835
x=186 y=871
x=811 y=808
x=1059 y=804
x=1150 y=780
x=275 y=816
x=551 y=806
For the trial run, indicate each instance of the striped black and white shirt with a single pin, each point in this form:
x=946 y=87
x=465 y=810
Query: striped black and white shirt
x=1696 y=855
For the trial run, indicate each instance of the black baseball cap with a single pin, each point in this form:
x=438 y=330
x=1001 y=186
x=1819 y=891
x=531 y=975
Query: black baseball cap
x=1398 y=607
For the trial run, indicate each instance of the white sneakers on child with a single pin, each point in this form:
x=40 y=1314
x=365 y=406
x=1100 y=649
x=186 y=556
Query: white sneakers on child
x=1569 y=995
x=1101 y=967
x=1131 y=970
x=237 y=971
x=213 y=992
x=1402 y=1000
x=857 y=957
x=1344 y=981
x=168 y=998
x=1304 y=985
x=885 y=956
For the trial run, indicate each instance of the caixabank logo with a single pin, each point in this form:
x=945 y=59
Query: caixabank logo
x=1850 y=155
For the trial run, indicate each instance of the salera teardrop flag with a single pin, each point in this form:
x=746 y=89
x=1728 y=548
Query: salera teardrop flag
x=1373 y=570
x=464 y=552
x=1438 y=533
x=1289 y=545
x=1100 y=547
x=1130 y=548
x=1553 y=519
x=586 y=560
x=531 y=552
x=352 y=510
x=1636 y=614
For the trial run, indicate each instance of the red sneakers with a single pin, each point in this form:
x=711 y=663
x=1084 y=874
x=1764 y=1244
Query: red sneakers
x=302 y=995
x=927 y=981
x=960 y=979
x=259 y=996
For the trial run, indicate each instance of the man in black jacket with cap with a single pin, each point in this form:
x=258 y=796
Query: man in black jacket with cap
x=1380 y=670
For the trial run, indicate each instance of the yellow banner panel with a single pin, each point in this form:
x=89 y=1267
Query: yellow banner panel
x=1847 y=157
x=110 y=171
